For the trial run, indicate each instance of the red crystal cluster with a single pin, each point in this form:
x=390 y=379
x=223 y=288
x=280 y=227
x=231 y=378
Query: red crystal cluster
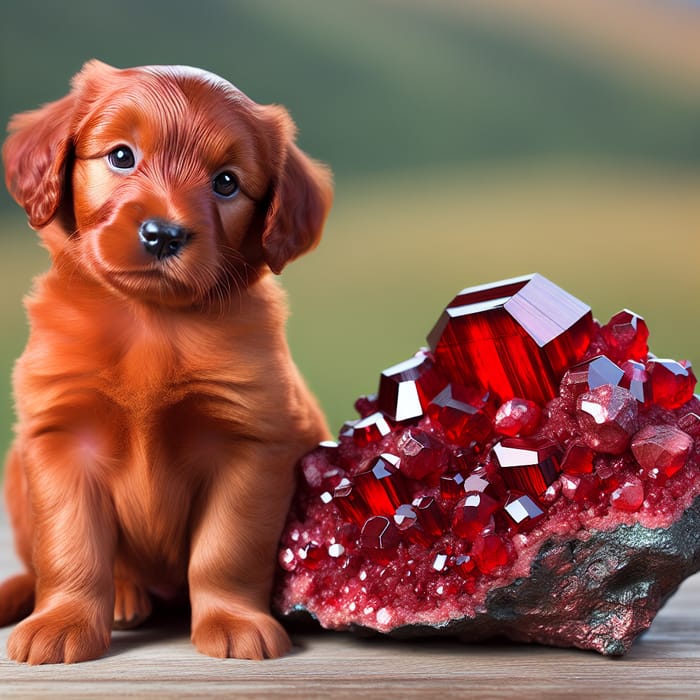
x=524 y=420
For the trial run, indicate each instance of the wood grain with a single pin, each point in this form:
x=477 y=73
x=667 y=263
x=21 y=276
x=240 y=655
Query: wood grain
x=159 y=662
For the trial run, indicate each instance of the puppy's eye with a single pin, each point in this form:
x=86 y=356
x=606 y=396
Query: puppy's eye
x=121 y=158
x=225 y=184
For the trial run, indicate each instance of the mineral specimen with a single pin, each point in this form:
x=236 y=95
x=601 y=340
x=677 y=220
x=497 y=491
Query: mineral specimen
x=532 y=474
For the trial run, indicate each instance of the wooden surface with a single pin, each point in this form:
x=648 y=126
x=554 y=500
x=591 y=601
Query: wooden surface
x=159 y=662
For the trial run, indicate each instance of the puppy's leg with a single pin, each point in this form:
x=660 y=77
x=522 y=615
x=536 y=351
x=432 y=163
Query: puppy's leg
x=16 y=598
x=233 y=557
x=17 y=593
x=74 y=541
x=132 y=603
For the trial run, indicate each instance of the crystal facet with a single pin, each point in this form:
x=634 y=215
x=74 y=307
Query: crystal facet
x=523 y=510
x=379 y=486
x=636 y=380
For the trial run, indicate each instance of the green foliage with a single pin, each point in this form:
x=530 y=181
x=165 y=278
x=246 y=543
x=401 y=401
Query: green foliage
x=374 y=86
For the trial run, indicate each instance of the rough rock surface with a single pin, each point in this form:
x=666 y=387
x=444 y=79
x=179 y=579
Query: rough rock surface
x=600 y=592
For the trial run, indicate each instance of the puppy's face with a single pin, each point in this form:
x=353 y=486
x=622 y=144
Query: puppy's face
x=171 y=185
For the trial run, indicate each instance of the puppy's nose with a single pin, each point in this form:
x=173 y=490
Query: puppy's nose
x=162 y=239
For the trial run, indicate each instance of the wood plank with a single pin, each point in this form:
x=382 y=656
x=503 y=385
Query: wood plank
x=158 y=661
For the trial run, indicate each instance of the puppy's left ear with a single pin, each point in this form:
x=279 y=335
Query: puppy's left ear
x=301 y=199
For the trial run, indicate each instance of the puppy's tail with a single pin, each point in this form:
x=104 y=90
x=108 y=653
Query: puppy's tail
x=16 y=598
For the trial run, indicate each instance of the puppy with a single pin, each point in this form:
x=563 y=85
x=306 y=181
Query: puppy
x=160 y=414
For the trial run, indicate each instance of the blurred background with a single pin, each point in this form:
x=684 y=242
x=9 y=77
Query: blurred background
x=471 y=141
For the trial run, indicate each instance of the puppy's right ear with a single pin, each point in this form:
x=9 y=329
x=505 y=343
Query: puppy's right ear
x=35 y=155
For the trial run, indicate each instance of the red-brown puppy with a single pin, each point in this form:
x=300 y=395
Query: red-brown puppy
x=159 y=411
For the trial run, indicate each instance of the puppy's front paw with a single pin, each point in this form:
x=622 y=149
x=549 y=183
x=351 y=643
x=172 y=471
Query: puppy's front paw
x=132 y=605
x=58 y=635
x=248 y=636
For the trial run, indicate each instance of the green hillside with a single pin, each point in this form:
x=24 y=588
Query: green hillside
x=374 y=85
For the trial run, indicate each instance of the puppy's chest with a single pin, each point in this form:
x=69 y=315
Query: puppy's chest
x=157 y=377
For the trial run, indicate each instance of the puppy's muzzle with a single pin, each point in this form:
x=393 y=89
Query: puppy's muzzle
x=162 y=239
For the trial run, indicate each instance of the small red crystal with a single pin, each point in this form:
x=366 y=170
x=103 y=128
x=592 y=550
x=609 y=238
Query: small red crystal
x=465 y=566
x=578 y=459
x=311 y=555
x=452 y=486
x=407 y=388
x=318 y=469
x=629 y=496
x=523 y=511
x=672 y=383
x=422 y=456
x=490 y=553
x=517 y=417
x=661 y=450
x=477 y=483
x=370 y=429
x=581 y=489
x=379 y=485
x=516 y=337
x=690 y=423
x=430 y=516
x=379 y=533
x=350 y=505
x=608 y=418
x=406 y=521
x=405 y=517
x=526 y=464
x=626 y=334
x=463 y=412
x=473 y=514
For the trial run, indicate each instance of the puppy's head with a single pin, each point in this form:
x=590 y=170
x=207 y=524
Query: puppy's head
x=168 y=183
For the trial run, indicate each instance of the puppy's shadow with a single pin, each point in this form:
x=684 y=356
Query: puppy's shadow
x=164 y=625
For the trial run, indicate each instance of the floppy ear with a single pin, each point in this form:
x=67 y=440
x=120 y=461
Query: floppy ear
x=301 y=198
x=35 y=155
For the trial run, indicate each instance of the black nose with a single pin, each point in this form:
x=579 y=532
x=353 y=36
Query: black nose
x=161 y=239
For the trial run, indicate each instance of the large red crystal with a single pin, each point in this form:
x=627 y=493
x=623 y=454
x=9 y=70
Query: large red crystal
x=434 y=504
x=515 y=338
